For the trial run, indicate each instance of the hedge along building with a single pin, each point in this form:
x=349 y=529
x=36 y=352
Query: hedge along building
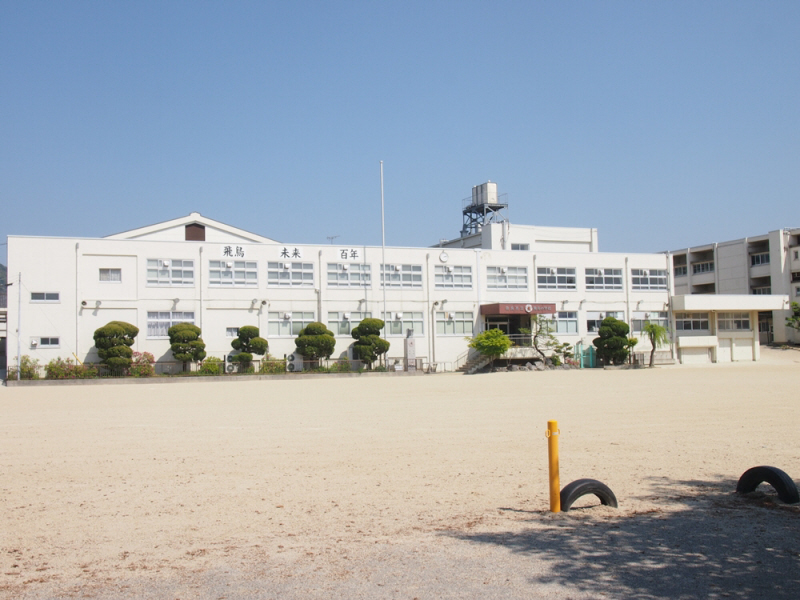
x=194 y=269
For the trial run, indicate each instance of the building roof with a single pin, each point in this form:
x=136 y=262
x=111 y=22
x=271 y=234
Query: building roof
x=159 y=230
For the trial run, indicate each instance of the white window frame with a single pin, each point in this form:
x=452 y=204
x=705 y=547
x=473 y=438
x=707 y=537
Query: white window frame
x=648 y=279
x=734 y=321
x=761 y=258
x=564 y=323
x=170 y=272
x=401 y=275
x=394 y=327
x=681 y=271
x=763 y=290
x=47 y=298
x=639 y=318
x=603 y=279
x=343 y=327
x=231 y=332
x=703 y=267
x=164 y=319
x=241 y=273
x=452 y=277
x=280 y=326
x=457 y=323
x=344 y=275
x=556 y=278
x=521 y=247
x=290 y=274
x=692 y=321
x=47 y=342
x=106 y=275
x=593 y=319
x=506 y=278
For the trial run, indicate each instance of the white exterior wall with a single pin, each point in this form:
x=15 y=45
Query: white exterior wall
x=734 y=273
x=71 y=268
x=500 y=236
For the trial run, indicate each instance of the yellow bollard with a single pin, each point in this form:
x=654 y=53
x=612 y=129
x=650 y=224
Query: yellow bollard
x=552 y=453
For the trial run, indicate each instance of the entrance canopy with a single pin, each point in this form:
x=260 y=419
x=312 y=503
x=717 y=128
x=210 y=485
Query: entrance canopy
x=518 y=308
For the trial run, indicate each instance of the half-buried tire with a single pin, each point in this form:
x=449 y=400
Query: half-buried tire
x=783 y=484
x=583 y=487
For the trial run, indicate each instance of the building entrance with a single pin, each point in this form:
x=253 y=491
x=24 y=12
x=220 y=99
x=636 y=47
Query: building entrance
x=508 y=324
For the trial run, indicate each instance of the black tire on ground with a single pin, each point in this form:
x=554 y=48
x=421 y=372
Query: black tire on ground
x=582 y=487
x=783 y=484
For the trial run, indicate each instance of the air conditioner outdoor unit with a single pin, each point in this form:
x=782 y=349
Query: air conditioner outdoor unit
x=34 y=343
x=398 y=316
x=346 y=316
x=449 y=269
x=398 y=267
x=503 y=269
x=645 y=273
x=450 y=316
x=553 y=271
x=164 y=263
x=345 y=267
x=229 y=265
x=287 y=266
x=287 y=316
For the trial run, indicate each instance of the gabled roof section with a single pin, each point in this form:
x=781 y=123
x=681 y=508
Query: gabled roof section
x=174 y=230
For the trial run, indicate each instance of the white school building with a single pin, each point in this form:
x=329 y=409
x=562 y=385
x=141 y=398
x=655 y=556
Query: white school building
x=219 y=277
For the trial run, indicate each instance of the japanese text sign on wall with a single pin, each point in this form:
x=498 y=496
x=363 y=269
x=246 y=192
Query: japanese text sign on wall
x=233 y=252
x=507 y=308
x=348 y=253
x=291 y=252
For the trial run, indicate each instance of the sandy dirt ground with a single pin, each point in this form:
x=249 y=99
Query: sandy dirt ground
x=432 y=486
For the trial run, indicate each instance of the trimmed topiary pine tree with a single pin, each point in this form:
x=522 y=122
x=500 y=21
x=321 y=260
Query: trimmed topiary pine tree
x=369 y=345
x=113 y=342
x=315 y=341
x=185 y=343
x=612 y=345
x=248 y=343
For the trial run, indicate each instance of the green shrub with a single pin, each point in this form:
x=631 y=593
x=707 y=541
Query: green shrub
x=612 y=344
x=315 y=341
x=341 y=366
x=369 y=345
x=491 y=343
x=142 y=365
x=185 y=343
x=59 y=368
x=29 y=368
x=212 y=366
x=272 y=367
x=113 y=342
x=248 y=343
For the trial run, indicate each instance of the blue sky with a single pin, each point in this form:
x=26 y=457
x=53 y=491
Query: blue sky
x=663 y=124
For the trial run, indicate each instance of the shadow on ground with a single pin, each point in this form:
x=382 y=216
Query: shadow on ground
x=707 y=543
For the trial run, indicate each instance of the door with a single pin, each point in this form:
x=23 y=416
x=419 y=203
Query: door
x=724 y=350
x=695 y=356
x=742 y=349
x=501 y=323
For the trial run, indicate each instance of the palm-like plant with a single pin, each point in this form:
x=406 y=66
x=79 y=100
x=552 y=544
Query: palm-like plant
x=658 y=336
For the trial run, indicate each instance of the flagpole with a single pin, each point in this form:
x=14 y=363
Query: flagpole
x=383 y=264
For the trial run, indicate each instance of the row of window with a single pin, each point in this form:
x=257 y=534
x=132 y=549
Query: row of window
x=244 y=273
x=699 y=321
x=697 y=269
x=460 y=323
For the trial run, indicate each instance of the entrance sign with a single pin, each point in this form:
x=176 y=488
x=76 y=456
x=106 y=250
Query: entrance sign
x=518 y=308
